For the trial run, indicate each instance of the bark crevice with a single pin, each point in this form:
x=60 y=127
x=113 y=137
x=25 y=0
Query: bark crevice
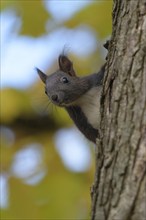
x=121 y=152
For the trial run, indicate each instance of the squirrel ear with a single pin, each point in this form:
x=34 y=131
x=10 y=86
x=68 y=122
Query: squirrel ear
x=42 y=75
x=66 y=65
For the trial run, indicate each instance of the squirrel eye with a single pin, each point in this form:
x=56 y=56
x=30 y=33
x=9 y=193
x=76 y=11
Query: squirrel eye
x=64 y=80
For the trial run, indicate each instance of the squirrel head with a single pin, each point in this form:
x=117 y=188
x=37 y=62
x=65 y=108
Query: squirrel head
x=63 y=87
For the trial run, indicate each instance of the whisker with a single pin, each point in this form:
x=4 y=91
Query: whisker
x=42 y=104
x=55 y=107
x=46 y=108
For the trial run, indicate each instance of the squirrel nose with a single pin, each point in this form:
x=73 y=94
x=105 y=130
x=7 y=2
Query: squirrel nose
x=54 y=97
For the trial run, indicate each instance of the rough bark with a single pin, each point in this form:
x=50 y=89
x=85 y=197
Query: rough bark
x=119 y=191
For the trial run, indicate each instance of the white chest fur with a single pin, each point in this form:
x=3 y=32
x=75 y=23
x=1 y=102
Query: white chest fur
x=90 y=105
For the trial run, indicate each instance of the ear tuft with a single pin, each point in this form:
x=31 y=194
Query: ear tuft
x=42 y=75
x=66 y=65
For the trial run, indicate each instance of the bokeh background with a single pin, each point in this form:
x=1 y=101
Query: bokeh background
x=47 y=166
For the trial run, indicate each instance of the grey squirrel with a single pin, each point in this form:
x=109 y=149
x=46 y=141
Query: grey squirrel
x=80 y=96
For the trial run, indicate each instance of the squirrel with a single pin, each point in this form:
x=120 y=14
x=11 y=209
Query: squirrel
x=80 y=96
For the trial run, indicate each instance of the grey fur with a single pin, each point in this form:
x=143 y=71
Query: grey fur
x=79 y=95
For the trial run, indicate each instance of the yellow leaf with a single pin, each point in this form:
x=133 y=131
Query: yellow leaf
x=97 y=15
x=4 y=4
x=33 y=15
x=13 y=104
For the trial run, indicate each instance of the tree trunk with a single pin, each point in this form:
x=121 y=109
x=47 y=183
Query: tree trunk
x=120 y=179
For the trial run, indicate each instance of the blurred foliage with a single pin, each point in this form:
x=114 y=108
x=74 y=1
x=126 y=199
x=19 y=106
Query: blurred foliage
x=97 y=16
x=25 y=119
x=33 y=15
x=60 y=195
x=17 y=104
